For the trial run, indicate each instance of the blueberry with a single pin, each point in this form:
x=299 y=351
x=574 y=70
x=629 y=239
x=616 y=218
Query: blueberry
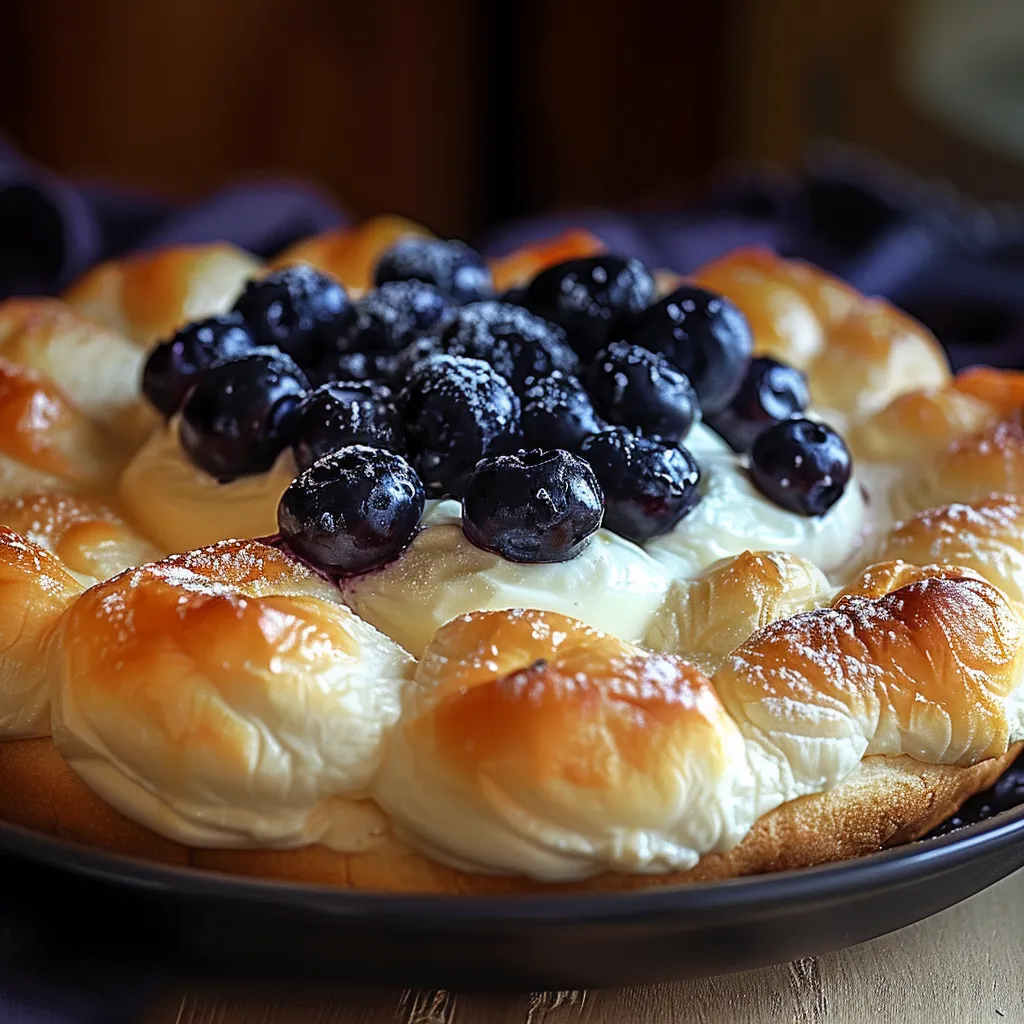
x=458 y=272
x=516 y=343
x=557 y=413
x=648 y=485
x=298 y=309
x=345 y=413
x=353 y=510
x=703 y=334
x=537 y=506
x=238 y=417
x=373 y=366
x=632 y=387
x=801 y=465
x=174 y=366
x=769 y=393
x=456 y=411
x=394 y=315
x=589 y=297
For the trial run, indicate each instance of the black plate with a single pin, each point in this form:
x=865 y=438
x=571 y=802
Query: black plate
x=198 y=919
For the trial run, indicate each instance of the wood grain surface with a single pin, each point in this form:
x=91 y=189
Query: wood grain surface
x=964 y=966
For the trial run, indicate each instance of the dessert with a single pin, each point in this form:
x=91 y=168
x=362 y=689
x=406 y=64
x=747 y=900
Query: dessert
x=388 y=566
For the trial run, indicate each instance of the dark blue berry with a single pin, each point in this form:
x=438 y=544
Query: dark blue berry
x=648 y=486
x=394 y=315
x=174 y=366
x=456 y=411
x=237 y=419
x=373 y=366
x=458 y=272
x=537 y=506
x=516 y=343
x=298 y=309
x=557 y=413
x=345 y=413
x=703 y=334
x=635 y=388
x=590 y=297
x=353 y=510
x=770 y=392
x=801 y=465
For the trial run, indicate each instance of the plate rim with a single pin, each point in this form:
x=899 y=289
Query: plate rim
x=881 y=870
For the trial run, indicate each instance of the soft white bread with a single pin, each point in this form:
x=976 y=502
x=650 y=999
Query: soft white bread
x=859 y=353
x=90 y=539
x=706 y=618
x=147 y=297
x=227 y=698
x=35 y=590
x=96 y=367
x=46 y=441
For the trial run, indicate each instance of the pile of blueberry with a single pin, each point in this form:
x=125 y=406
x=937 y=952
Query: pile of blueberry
x=548 y=411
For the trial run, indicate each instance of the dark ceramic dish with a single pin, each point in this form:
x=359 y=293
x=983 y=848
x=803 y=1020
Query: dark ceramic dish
x=124 y=908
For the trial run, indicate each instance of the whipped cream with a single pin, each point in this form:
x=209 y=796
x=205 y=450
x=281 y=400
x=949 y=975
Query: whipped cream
x=181 y=507
x=733 y=516
x=611 y=585
x=262 y=744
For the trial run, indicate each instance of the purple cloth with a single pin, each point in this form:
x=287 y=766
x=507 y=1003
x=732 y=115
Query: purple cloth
x=51 y=230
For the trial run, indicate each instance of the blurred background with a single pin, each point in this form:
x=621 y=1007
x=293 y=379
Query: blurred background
x=466 y=113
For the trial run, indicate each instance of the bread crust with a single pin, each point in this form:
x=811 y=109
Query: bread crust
x=887 y=801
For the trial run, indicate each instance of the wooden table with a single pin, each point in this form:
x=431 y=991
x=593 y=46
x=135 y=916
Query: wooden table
x=964 y=966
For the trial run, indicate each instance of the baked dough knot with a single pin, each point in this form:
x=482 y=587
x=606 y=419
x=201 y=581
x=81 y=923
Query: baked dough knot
x=147 y=297
x=858 y=352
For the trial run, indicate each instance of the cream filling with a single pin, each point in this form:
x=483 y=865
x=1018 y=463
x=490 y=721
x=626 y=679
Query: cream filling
x=734 y=516
x=611 y=585
x=181 y=507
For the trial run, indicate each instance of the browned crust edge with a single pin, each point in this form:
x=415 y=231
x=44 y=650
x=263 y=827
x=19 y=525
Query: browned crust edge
x=890 y=800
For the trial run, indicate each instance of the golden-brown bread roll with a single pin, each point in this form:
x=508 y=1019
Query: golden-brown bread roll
x=859 y=353
x=985 y=535
x=931 y=670
x=1001 y=389
x=35 y=590
x=99 y=369
x=351 y=254
x=883 y=578
x=46 y=441
x=523 y=264
x=874 y=354
x=535 y=745
x=90 y=540
x=148 y=296
x=226 y=697
x=705 y=618
x=967 y=470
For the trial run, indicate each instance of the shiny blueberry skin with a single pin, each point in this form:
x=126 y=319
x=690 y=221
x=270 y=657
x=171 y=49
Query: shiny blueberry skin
x=589 y=297
x=345 y=366
x=537 y=506
x=516 y=343
x=456 y=411
x=238 y=418
x=557 y=413
x=353 y=510
x=632 y=387
x=174 y=366
x=394 y=315
x=648 y=486
x=298 y=309
x=457 y=271
x=771 y=392
x=345 y=413
x=801 y=465
x=703 y=334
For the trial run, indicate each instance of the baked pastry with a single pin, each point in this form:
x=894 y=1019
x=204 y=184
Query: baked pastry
x=549 y=572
